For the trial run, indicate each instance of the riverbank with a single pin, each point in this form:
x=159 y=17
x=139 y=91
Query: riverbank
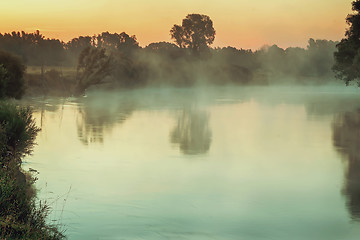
x=22 y=215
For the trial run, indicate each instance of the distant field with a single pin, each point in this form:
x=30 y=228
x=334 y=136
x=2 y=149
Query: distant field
x=63 y=70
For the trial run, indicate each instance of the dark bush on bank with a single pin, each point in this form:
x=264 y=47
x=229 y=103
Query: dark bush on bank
x=12 y=70
x=21 y=217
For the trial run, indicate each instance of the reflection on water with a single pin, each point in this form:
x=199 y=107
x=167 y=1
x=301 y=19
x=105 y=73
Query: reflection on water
x=96 y=117
x=346 y=139
x=192 y=132
x=271 y=170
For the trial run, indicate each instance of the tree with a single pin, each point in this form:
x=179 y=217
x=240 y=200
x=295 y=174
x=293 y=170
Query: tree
x=320 y=57
x=195 y=33
x=162 y=47
x=11 y=76
x=76 y=45
x=165 y=49
x=93 y=67
x=114 y=41
x=347 y=57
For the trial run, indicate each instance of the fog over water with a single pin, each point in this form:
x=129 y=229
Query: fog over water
x=228 y=162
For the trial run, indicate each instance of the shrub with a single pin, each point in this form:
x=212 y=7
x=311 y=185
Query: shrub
x=20 y=216
x=20 y=130
x=11 y=76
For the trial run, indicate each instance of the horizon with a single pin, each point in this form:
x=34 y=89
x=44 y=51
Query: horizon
x=239 y=24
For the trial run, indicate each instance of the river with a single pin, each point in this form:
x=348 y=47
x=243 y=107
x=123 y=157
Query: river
x=202 y=163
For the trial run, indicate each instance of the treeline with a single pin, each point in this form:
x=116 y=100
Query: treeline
x=118 y=59
x=35 y=50
x=166 y=63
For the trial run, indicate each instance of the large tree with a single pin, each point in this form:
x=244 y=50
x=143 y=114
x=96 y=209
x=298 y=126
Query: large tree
x=347 y=57
x=196 y=32
x=93 y=66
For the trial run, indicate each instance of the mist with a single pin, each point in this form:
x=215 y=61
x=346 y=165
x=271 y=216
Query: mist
x=182 y=140
x=124 y=64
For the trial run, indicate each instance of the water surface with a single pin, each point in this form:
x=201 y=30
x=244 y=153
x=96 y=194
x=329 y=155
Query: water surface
x=203 y=163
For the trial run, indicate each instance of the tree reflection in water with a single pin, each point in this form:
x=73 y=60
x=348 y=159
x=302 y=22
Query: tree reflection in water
x=346 y=139
x=94 y=119
x=192 y=132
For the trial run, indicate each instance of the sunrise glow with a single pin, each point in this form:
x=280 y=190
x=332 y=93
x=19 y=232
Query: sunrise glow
x=238 y=23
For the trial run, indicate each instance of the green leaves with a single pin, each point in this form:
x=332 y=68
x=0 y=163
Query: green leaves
x=17 y=133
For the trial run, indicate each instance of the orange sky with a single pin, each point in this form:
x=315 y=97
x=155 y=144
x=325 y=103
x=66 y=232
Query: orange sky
x=238 y=23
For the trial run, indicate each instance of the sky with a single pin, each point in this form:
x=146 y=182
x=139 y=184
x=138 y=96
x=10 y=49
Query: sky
x=244 y=24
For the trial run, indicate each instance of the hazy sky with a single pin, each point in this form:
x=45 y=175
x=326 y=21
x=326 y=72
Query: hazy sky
x=238 y=23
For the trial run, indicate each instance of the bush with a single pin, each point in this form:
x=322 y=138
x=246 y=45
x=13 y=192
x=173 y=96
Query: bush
x=20 y=130
x=11 y=76
x=20 y=216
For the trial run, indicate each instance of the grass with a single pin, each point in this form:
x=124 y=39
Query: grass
x=22 y=216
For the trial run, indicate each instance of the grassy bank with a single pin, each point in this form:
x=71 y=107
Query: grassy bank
x=22 y=216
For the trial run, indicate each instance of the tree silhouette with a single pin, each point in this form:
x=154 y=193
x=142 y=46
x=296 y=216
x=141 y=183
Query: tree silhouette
x=347 y=57
x=195 y=33
x=93 y=67
x=114 y=41
x=76 y=45
x=164 y=49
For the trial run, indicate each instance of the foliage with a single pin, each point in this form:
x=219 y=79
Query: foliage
x=196 y=33
x=11 y=76
x=78 y=44
x=20 y=130
x=321 y=56
x=20 y=216
x=3 y=81
x=33 y=48
x=93 y=66
x=116 y=59
x=165 y=49
x=347 y=57
x=167 y=64
x=313 y=63
x=114 y=41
